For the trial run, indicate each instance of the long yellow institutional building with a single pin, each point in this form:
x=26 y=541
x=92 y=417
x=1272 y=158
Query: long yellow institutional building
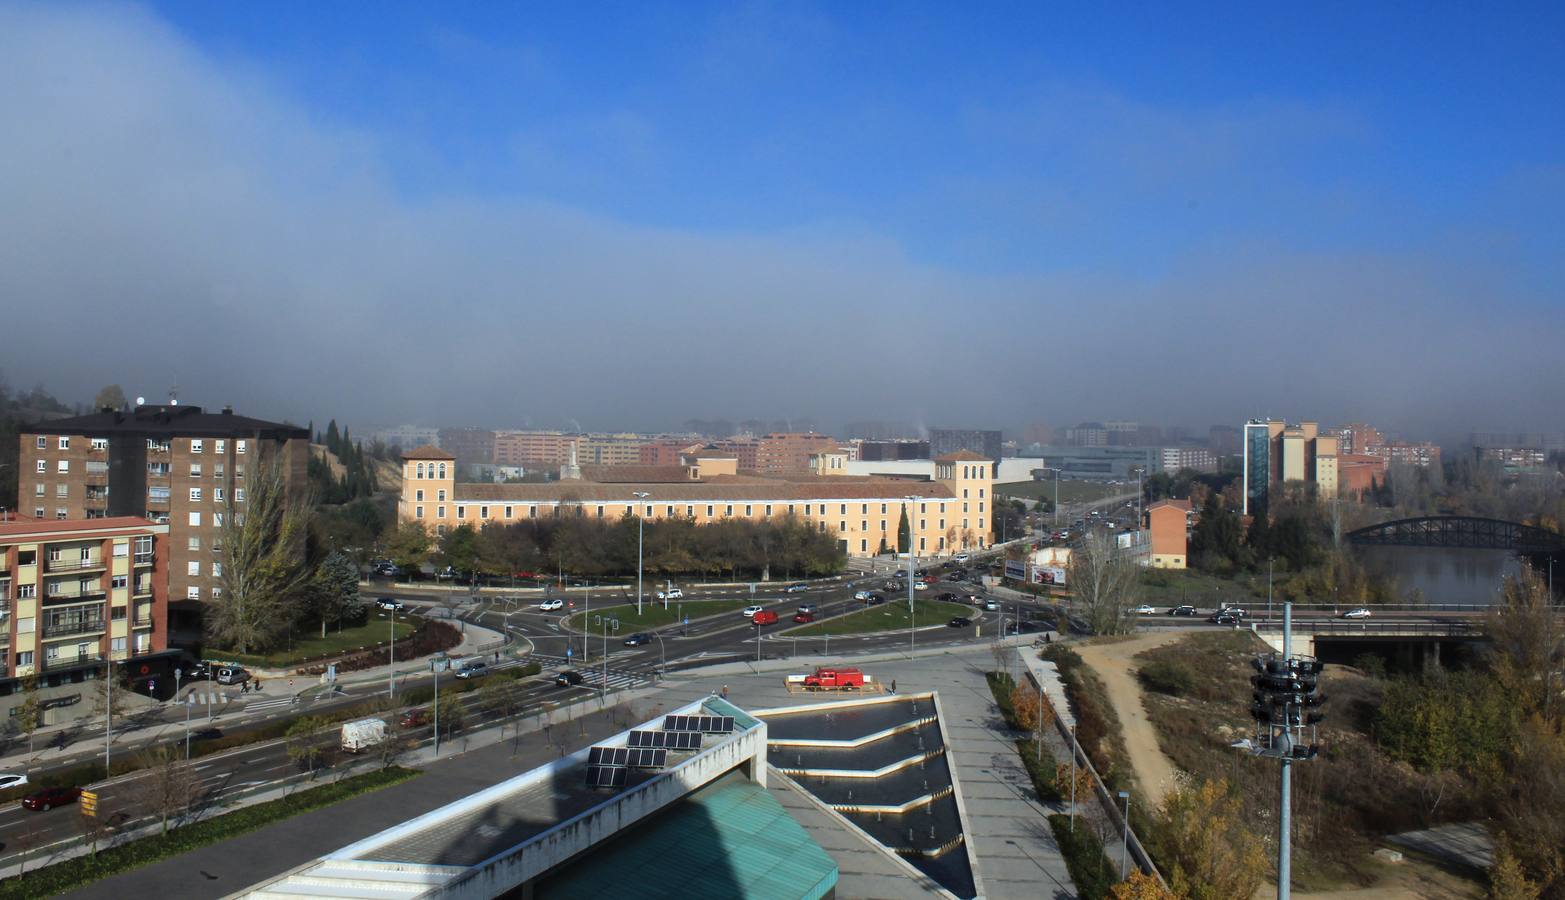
x=947 y=514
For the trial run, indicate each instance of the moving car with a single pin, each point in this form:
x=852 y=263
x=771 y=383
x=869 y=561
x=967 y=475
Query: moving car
x=1357 y=612
x=552 y=604
x=1224 y=618
x=231 y=675
x=991 y=605
x=1238 y=611
x=568 y=678
x=637 y=639
x=961 y=557
x=414 y=718
x=474 y=669
x=804 y=617
x=10 y=780
x=749 y=611
x=1145 y=609
x=48 y=798
x=808 y=608
x=1182 y=611
x=948 y=597
x=891 y=586
x=207 y=734
x=920 y=585
x=764 y=617
x=861 y=595
x=1026 y=626
x=390 y=603
x=959 y=622
x=671 y=594
x=876 y=599
x=796 y=588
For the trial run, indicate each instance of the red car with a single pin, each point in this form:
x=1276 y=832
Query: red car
x=804 y=617
x=51 y=797
x=764 y=617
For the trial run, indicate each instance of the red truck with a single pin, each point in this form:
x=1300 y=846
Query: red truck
x=834 y=680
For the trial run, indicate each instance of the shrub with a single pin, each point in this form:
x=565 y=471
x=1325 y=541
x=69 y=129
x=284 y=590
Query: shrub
x=1083 y=852
x=1168 y=677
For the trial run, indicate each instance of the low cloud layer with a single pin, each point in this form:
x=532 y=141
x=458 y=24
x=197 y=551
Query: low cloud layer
x=173 y=219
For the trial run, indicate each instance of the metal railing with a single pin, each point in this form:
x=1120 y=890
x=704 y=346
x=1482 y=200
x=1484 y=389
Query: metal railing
x=69 y=662
x=70 y=565
x=77 y=597
x=65 y=629
x=1454 y=628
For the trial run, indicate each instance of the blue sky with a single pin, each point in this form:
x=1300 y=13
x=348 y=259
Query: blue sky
x=1378 y=174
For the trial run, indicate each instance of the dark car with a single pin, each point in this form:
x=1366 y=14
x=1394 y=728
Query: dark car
x=1224 y=618
x=1236 y=611
x=637 y=639
x=48 y=798
x=796 y=588
x=876 y=599
x=959 y=622
x=206 y=734
x=958 y=575
x=949 y=597
x=1026 y=626
x=391 y=603
x=804 y=617
x=1182 y=611
x=892 y=586
x=568 y=678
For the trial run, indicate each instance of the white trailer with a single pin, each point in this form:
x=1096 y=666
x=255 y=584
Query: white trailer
x=361 y=734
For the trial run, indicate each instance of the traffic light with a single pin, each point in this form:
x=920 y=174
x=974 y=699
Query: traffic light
x=1285 y=700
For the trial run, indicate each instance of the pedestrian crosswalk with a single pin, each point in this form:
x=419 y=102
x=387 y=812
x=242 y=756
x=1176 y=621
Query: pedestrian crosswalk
x=206 y=698
x=592 y=676
x=268 y=703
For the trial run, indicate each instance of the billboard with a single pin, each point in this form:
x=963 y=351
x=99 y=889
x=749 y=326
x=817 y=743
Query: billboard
x=1053 y=576
x=1016 y=569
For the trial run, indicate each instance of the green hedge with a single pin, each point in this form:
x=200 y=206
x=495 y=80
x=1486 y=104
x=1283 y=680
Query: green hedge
x=74 y=873
x=1090 y=869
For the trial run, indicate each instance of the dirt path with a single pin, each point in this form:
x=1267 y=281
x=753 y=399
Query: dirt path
x=1115 y=665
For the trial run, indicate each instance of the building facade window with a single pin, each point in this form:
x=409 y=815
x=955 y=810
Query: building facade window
x=65 y=442
x=195 y=445
x=63 y=466
x=195 y=493
x=418 y=512
x=43 y=443
x=192 y=593
x=195 y=520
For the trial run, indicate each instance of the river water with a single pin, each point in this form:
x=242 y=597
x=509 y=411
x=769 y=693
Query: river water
x=1444 y=575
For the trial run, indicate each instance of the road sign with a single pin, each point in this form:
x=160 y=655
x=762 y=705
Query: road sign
x=569 y=652
x=89 y=803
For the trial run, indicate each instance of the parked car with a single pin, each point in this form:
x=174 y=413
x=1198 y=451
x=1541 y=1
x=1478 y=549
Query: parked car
x=10 y=780
x=390 y=603
x=1145 y=609
x=388 y=570
x=959 y=622
x=552 y=604
x=231 y=675
x=414 y=718
x=797 y=587
x=804 y=617
x=1357 y=612
x=764 y=617
x=48 y=798
x=808 y=608
x=1182 y=611
x=671 y=594
x=637 y=639
x=568 y=678
x=474 y=669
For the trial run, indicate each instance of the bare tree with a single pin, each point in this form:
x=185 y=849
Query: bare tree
x=166 y=786
x=264 y=561
x=1104 y=581
x=1527 y=645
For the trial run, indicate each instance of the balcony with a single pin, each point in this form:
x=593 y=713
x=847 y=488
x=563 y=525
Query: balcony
x=98 y=494
x=68 y=628
x=142 y=589
x=61 y=663
x=143 y=559
x=73 y=565
x=97 y=595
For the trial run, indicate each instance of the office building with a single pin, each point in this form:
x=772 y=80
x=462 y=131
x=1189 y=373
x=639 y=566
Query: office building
x=1200 y=459
x=945 y=441
x=77 y=592
x=886 y=451
x=1101 y=463
x=177 y=465
x=1087 y=434
x=1276 y=453
x=948 y=513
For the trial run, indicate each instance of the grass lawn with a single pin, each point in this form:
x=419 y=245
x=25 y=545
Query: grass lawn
x=653 y=615
x=312 y=646
x=1172 y=587
x=888 y=616
x=1070 y=491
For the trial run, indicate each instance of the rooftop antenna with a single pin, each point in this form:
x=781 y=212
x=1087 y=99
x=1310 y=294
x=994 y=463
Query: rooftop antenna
x=173 y=395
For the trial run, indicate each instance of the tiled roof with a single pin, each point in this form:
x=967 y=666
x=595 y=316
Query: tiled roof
x=964 y=456
x=625 y=474
x=1178 y=504
x=427 y=452
x=704 y=491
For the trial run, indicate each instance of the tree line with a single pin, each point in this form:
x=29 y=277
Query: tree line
x=594 y=548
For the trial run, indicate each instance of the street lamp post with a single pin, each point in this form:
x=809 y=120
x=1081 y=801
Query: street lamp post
x=641 y=522
x=391 y=675
x=178 y=673
x=434 y=666
x=1124 y=837
x=912 y=554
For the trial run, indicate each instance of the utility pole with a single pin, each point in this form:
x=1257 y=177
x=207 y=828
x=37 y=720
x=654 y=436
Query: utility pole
x=108 y=712
x=912 y=630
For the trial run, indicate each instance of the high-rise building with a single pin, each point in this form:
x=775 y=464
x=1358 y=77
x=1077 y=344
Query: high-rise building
x=945 y=441
x=1087 y=434
x=1276 y=453
x=1257 y=472
x=1198 y=458
x=790 y=452
x=173 y=464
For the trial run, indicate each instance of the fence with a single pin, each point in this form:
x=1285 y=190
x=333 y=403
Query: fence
x=1106 y=805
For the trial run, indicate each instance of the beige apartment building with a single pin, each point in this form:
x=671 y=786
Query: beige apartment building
x=948 y=513
x=75 y=593
x=175 y=465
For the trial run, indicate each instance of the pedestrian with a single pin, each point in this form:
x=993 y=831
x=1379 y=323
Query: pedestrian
x=893 y=685
x=725 y=692
x=497 y=656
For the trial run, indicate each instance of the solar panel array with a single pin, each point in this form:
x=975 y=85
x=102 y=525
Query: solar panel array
x=607 y=776
x=672 y=740
x=703 y=724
